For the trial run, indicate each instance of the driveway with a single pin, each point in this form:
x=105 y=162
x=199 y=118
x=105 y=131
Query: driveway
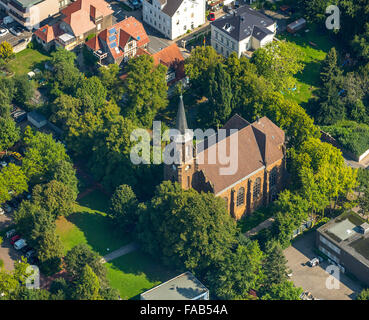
x=314 y=279
x=7 y=253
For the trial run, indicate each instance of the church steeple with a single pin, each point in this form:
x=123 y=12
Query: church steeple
x=181 y=121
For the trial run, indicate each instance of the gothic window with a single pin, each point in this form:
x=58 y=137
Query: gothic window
x=241 y=196
x=257 y=189
x=188 y=182
x=273 y=177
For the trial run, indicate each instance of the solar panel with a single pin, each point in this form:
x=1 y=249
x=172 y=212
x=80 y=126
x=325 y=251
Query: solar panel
x=112 y=31
x=138 y=37
x=112 y=38
x=113 y=45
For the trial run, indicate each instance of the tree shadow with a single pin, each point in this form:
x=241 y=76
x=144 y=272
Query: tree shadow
x=99 y=231
x=138 y=263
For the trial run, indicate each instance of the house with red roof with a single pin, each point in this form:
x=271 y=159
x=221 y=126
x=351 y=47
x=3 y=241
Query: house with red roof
x=119 y=42
x=171 y=57
x=79 y=20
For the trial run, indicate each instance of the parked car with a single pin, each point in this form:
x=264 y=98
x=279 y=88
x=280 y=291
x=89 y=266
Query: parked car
x=3 y=32
x=30 y=253
x=15 y=31
x=14 y=239
x=313 y=262
x=20 y=116
x=26 y=249
x=211 y=16
x=21 y=243
x=10 y=233
x=3 y=164
x=2 y=211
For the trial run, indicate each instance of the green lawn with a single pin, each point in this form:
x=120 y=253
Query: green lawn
x=27 y=60
x=308 y=79
x=90 y=225
x=136 y=272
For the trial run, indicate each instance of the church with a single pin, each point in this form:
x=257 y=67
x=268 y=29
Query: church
x=261 y=166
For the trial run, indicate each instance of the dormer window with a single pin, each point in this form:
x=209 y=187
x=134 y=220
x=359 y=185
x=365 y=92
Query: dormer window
x=227 y=27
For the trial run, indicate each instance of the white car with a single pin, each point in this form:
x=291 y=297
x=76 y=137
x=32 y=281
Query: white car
x=14 y=31
x=21 y=243
x=2 y=211
x=3 y=32
x=3 y=164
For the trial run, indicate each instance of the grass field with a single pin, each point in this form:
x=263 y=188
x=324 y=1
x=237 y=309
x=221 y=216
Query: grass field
x=27 y=60
x=90 y=225
x=135 y=273
x=308 y=79
x=250 y=221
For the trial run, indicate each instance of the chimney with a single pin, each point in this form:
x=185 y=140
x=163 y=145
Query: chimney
x=257 y=119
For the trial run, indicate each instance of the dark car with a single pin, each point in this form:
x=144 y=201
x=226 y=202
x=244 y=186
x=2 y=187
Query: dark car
x=14 y=239
x=33 y=260
x=20 y=116
x=26 y=249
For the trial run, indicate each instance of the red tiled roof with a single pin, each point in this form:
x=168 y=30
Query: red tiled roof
x=171 y=56
x=48 y=33
x=135 y=29
x=258 y=144
x=78 y=14
x=93 y=43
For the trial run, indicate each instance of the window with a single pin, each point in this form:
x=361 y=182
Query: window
x=188 y=181
x=241 y=196
x=273 y=177
x=257 y=189
x=184 y=27
x=330 y=244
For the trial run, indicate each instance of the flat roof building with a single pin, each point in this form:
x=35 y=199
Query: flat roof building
x=183 y=287
x=345 y=240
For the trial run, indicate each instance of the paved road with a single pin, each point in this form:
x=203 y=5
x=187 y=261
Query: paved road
x=133 y=246
x=314 y=279
x=265 y=224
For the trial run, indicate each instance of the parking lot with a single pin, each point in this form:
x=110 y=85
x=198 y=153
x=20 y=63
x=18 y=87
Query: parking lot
x=7 y=253
x=11 y=38
x=313 y=279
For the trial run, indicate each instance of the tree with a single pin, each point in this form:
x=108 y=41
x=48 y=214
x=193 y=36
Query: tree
x=197 y=66
x=42 y=155
x=123 y=207
x=364 y=202
x=220 y=94
x=363 y=295
x=291 y=211
x=360 y=43
x=145 y=89
x=24 y=89
x=109 y=77
x=283 y=291
x=87 y=285
x=57 y=198
x=66 y=76
x=274 y=266
x=49 y=252
x=279 y=62
x=81 y=255
x=92 y=94
x=12 y=182
x=186 y=228
x=238 y=273
x=66 y=174
x=330 y=69
x=6 y=50
x=9 y=132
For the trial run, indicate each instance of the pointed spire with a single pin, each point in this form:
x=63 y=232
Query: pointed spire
x=181 y=122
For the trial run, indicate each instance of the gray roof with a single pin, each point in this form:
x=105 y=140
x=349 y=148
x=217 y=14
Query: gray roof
x=27 y=3
x=36 y=116
x=244 y=22
x=181 y=121
x=171 y=6
x=183 y=287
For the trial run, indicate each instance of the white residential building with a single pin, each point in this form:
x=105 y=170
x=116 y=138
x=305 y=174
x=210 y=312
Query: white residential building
x=243 y=31
x=174 y=17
